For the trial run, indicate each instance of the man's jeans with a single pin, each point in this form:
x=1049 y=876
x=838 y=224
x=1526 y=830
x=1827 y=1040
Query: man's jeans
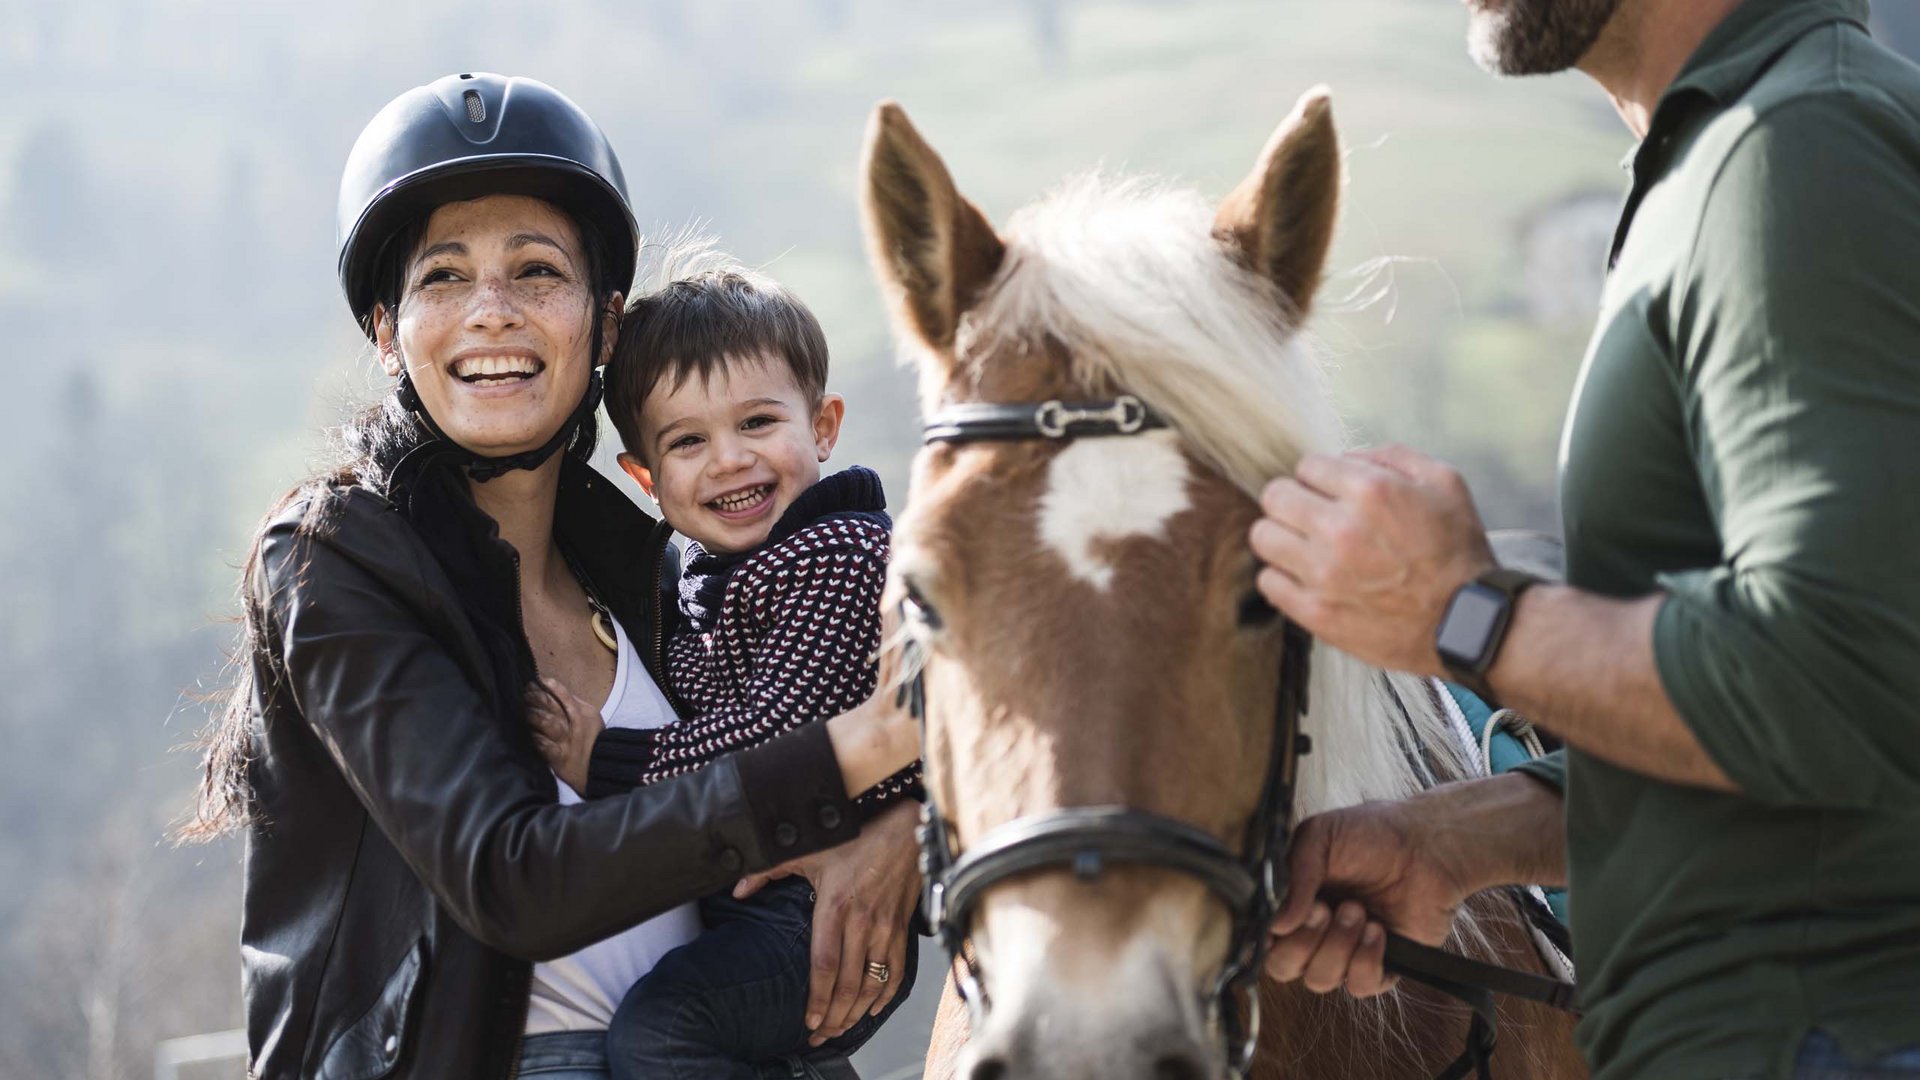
x=1821 y=1058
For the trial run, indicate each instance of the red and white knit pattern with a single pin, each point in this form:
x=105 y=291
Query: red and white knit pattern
x=794 y=643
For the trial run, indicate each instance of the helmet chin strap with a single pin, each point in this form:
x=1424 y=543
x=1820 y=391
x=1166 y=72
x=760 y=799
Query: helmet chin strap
x=481 y=468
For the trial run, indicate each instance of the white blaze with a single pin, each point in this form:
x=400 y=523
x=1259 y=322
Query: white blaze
x=1110 y=489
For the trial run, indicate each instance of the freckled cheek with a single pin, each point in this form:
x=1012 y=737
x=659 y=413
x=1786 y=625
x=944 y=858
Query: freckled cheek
x=566 y=310
x=427 y=316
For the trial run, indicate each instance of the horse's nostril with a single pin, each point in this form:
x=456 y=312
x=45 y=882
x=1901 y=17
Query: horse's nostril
x=991 y=1068
x=1179 y=1067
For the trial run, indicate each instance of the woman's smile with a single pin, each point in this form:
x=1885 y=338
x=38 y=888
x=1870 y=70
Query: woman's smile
x=493 y=373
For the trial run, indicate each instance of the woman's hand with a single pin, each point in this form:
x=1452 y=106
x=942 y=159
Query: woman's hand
x=564 y=728
x=866 y=890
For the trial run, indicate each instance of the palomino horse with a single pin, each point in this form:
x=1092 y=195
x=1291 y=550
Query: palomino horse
x=1084 y=615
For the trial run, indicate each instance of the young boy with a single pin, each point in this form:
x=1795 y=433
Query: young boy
x=718 y=390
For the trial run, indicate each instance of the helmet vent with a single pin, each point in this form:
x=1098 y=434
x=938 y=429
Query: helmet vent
x=476 y=109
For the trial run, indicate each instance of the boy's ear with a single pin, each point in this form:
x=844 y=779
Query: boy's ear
x=640 y=473
x=826 y=423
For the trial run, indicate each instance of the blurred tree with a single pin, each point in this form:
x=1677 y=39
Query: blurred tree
x=50 y=213
x=1049 y=31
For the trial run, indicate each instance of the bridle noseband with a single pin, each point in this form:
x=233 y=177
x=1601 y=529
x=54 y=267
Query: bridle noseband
x=1087 y=839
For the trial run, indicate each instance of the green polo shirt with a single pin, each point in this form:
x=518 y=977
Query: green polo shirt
x=1746 y=437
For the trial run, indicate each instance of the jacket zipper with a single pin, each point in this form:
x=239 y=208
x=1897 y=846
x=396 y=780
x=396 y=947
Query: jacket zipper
x=525 y=996
x=525 y=993
x=663 y=534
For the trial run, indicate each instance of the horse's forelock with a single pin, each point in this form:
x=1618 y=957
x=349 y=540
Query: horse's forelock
x=1127 y=278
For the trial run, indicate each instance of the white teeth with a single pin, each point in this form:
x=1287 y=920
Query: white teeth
x=494 y=366
x=743 y=499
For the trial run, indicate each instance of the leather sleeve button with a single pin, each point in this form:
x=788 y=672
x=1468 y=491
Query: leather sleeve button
x=731 y=861
x=829 y=816
x=785 y=834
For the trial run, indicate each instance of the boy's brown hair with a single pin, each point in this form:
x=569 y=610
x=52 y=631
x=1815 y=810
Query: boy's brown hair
x=695 y=326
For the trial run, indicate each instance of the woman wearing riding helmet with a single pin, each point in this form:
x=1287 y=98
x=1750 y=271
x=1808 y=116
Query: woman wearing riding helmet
x=408 y=860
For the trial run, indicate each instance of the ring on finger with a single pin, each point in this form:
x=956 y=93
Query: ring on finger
x=879 y=971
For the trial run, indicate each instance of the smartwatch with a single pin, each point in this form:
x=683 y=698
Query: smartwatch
x=1475 y=626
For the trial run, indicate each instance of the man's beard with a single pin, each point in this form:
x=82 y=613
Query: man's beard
x=1534 y=37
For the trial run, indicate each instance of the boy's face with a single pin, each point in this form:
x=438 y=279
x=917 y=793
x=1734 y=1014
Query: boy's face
x=724 y=458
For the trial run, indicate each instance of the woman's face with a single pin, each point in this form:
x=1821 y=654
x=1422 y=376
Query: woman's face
x=495 y=323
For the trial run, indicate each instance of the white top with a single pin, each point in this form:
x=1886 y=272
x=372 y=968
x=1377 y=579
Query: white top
x=579 y=992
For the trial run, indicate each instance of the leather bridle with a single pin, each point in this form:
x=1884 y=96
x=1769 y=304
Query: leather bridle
x=1087 y=839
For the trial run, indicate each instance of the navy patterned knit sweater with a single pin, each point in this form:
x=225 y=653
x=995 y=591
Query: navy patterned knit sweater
x=770 y=639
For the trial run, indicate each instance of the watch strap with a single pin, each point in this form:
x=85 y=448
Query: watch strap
x=1509 y=583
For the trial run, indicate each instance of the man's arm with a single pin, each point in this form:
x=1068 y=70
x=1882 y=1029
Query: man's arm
x=1797 y=331
x=1583 y=665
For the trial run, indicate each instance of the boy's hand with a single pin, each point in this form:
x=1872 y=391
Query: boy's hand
x=564 y=728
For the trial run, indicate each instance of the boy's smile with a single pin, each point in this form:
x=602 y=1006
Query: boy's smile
x=726 y=456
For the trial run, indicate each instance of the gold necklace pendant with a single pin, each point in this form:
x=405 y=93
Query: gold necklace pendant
x=603 y=628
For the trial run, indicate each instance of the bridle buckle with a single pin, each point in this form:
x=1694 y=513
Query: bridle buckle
x=1127 y=414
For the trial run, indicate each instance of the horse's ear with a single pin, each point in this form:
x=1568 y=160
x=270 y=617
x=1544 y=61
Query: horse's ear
x=932 y=249
x=1280 y=219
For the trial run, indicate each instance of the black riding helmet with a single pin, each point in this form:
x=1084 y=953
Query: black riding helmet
x=462 y=137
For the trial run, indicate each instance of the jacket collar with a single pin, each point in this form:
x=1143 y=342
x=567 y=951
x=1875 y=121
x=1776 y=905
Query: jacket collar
x=612 y=541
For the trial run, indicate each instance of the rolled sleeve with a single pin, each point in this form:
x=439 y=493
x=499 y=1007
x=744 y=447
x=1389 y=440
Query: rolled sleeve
x=1550 y=770
x=1796 y=661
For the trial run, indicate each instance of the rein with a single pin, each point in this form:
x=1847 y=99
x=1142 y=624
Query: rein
x=1087 y=839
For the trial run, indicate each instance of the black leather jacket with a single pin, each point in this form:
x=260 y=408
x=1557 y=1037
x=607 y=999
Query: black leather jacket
x=408 y=858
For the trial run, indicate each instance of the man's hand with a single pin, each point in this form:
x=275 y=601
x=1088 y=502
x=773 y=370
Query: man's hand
x=865 y=892
x=1365 y=549
x=1408 y=867
x=1372 y=862
x=564 y=726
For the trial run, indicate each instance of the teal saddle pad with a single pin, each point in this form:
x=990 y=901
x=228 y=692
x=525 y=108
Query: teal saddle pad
x=1505 y=753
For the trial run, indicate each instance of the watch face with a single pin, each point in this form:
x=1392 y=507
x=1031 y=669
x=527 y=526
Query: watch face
x=1469 y=622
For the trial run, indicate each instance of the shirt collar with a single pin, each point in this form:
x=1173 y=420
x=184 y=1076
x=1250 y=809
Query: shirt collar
x=1751 y=37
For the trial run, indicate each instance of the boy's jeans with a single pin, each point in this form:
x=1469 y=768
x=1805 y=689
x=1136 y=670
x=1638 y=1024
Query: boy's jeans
x=732 y=1003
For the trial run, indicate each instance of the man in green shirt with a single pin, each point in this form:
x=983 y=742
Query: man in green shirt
x=1734 y=663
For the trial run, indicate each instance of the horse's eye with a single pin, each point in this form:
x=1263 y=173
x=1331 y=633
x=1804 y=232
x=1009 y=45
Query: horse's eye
x=1255 y=611
x=915 y=609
